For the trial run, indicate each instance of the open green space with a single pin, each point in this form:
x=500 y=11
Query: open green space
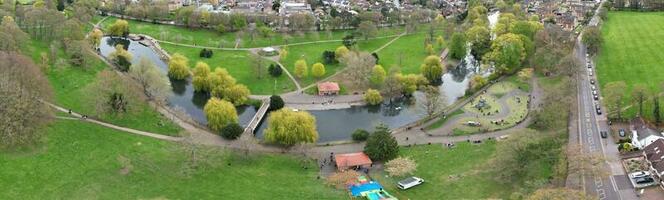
x=462 y=172
x=239 y=65
x=440 y=121
x=207 y=37
x=85 y=161
x=518 y=110
x=632 y=52
x=70 y=86
x=407 y=52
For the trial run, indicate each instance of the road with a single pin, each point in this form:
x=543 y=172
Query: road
x=611 y=186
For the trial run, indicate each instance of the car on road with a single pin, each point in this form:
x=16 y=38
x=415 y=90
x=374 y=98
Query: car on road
x=590 y=73
x=598 y=109
x=592 y=87
x=592 y=81
x=595 y=97
x=603 y=134
x=409 y=182
x=594 y=92
x=621 y=132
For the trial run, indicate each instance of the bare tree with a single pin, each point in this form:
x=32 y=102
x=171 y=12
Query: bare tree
x=358 y=67
x=155 y=84
x=432 y=102
x=258 y=65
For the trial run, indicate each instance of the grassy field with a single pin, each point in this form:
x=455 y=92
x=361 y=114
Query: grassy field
x=70 y=89
x=440 y=121
x=76 y=163
x=239 y=65
x=458 y=173
x=407 y=52
x=632 y=52
x=206 y=37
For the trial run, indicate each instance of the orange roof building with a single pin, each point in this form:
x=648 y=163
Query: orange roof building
x=328 y=88
x=352 y=160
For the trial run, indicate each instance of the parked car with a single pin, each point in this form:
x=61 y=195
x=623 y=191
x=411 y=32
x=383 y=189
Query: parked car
x=644 y=180
x=640 y=174
x=409 y=182
x=598 y=109
x=591 y=73
x=621 y=132
x=603 y=134
x=592 y=81
x=592 y=87
x=595 y=97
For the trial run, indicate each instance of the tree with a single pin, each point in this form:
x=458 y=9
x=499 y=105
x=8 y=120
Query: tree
x=340 y=52
x=433 y=100
x=219 y=113
x=392 y=86
x=232 y=131
x=367 y=29
x=11 y=36
x=329 y=57
x=318 y=70
x=655 y=112
x=349 y=41
x=480 y=40
x=615 y=92
x=373 y=97
x=237 y=94
x=381 y=145
x=440 y=41
x=429 y=49
x=257 y=65
x=360 y=135
x=275 y=70
x=378 y=75
x=178 y=68
x=95 y=37
x=276 y=102
x=121 y=58
x=410 y=82
x=288 y=127
x=22 y=85
x=301 y=69
x=458 y=46
x=525 y=74
x=592 y=38
x=400 y=166
x=155 y=85
x=639 y=94
x=558 y=193
x=120 y=28
x=432 y=69
x=477 y=81
x=112 y=94
x=358 y=67
x=206 y=53
x=519 y=153
x=201 y=74
x=220 y=81
x=508 y=52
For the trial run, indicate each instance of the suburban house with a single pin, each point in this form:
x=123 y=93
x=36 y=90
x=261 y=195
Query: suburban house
x=352 y=161
x=643 y=136
x=654 y=153
x=328 y=88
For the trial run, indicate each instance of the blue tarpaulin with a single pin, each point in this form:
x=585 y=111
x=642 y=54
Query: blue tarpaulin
x=356 y=190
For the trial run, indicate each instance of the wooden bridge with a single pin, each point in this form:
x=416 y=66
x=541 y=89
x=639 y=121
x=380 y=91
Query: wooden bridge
x=253 y=124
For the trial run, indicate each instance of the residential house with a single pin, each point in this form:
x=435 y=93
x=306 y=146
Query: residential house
x=654 y=153
x=643 y=136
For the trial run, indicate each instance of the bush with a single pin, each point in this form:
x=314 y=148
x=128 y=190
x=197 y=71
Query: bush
x=329 y=57
x=276 y=102
x=375 y=55
x=206 y=53
x=275 y=70
x=360 y=135
x=232 y=131
x=381 y=145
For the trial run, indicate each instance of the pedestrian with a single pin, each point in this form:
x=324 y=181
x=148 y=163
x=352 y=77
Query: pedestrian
x=406 y=138
x=69 y=111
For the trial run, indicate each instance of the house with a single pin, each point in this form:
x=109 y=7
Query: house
x=644 y=136
x=288 y=8
x=328 y=88
x=654 y=153
x=352 y=161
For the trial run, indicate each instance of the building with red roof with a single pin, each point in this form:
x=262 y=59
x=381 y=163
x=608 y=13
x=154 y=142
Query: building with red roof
x=352 y=161
x=328 y=88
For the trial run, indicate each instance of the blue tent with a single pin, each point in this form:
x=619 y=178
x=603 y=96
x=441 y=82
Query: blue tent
x=357 y=190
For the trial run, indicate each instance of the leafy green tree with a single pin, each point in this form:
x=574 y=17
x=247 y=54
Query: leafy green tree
x=458 y=46
x=360 y=135
x=275 y=70
x=318 y=70
x=276 y=102
x=349 y=41
x=340 y=52
x=429 y=49
x=367 y=29
x=639 y=94
x=95 y=37
x=288 y=127
x=120 y=28
x=219 y=113
x=508 y=52
x=378 y=75
x=201 y=74
x=155 y=85
x=526 y=28
x=121 y=58
x=480 y=40
x=592 y=38
x=410 y=82
x=219 y=81
x=381 y=145
x=237 y=94
x=373 y=97
x=432 y=69
x=178 y=68
x=615 y=94
x=232 y=131
x=301 y=70
x=440 y=41
x=11 y=36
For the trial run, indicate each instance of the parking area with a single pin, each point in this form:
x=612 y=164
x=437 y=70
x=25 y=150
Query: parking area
x=638 y=172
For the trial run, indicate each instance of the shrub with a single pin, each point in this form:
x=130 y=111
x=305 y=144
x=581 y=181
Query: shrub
x=400 y=166
x=232 y=131
x=276 y=102
x=206 y=53
x=329 y=57
x=360 y=135
x=275 y=70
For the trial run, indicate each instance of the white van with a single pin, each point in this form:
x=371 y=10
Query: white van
x=409 y=182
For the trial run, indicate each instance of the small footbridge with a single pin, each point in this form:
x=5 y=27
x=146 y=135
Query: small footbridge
x=253 y=124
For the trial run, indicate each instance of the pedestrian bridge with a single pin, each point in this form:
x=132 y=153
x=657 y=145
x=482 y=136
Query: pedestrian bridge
x=253 y=124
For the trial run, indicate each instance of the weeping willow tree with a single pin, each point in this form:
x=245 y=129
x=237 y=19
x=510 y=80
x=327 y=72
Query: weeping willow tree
x=288 y=127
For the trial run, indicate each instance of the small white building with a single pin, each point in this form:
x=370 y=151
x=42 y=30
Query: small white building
x=644 y=137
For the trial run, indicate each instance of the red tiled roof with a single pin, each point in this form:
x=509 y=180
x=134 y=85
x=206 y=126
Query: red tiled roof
x=352 y=159
x=328 y=86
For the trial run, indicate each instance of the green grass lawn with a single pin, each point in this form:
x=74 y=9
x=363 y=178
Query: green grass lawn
x=407 y=52
x=458 y=173
x=239 y=65
x=70 y=89
x=83 y=161
x=206 y=37
x=632 y=52
x=441 y=121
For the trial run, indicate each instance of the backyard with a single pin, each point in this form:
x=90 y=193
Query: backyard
x=85 y=161
x=631 y=52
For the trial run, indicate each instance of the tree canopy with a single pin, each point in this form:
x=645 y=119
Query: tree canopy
x=219 y=113
x=178 y=67
x=288 y=127
x=381 y=145
x=432 y=69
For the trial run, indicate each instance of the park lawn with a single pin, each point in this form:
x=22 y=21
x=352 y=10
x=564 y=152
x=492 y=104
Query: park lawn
x=207 y=37
x=632 y=52
x=458 y=173
x=441 y=121
x=76 y=163
x=518 y=112
x=407 y=52
x=313 y=53
x=239 y=65
x=70 y=85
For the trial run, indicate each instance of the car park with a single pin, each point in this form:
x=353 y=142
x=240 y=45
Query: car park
x=621 y=132
x=409 y=182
